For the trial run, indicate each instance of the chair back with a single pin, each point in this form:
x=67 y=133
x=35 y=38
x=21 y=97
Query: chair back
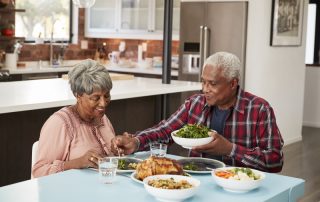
x=34 y=154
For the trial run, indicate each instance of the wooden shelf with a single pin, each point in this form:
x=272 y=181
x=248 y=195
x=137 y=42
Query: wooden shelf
x=10 y=38
x=9 y=10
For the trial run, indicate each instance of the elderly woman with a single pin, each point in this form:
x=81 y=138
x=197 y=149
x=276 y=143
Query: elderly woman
x=76 y=136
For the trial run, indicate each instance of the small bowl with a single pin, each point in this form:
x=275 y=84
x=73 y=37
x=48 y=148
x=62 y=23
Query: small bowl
x=171 y=194
x=188 y=143
x=238 y=186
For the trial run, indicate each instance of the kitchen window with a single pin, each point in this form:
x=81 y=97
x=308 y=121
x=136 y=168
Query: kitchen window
x=44 y=19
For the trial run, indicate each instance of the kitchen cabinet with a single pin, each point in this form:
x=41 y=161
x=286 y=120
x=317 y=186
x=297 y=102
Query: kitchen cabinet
x=129 y=19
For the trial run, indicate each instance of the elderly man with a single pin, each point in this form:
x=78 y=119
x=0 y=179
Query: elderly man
x=247 y=133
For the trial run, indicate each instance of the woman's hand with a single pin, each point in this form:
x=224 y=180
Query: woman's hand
x=218 y=146
x=124 y=144
x=89 y=159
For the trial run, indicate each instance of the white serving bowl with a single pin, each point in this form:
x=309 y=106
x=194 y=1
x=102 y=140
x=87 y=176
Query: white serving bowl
x=171 y=194
x=188 y=143
x=238 y=186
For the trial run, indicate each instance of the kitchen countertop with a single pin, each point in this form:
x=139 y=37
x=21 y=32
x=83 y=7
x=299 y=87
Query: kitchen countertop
x=47 y=93
x=32 y=68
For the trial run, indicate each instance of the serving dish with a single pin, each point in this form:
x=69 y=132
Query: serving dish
x=189 y=143
x=133 y=176
x=199 y=165
x=235 y=185
x=162 y=194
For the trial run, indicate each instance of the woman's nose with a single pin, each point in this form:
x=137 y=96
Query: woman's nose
x=103 y=102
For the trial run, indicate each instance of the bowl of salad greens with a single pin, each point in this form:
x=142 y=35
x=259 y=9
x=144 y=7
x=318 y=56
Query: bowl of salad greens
x=238 y=179
x=192 y=135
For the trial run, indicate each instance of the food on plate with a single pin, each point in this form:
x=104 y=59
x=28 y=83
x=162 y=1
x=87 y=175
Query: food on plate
x=124 y=164
x=193 y=131
x=170 y=184
x=238 y=174
x=191 y=166
x=156 y=166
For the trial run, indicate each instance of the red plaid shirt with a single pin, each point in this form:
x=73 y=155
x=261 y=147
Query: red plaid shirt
x=251 y=126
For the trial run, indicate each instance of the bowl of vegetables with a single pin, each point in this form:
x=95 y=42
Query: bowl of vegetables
x=171 y=187
x=238 y=179
x=192 y=135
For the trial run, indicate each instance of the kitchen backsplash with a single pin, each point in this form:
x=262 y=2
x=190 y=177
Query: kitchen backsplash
x=74 y=52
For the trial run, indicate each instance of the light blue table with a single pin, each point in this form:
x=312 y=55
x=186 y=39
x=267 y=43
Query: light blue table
x=84 y=186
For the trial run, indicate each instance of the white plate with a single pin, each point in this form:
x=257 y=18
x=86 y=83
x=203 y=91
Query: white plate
x=205 y=165
x=123 y=171
x=133 y=177
x=130 y=159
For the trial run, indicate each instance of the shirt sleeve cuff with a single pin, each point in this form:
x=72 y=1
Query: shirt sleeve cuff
x=233 y=150
x=58 y=165
x=137 y=144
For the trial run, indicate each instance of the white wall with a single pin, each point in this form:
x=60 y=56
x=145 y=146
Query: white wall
x=311 y=113
x=276 y=73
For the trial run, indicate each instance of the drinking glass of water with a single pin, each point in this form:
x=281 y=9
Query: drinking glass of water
x=108 y=169
x=158 y=149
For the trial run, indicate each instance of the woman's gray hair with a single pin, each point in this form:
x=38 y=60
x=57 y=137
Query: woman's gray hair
x=229 y=63
x=88 y=76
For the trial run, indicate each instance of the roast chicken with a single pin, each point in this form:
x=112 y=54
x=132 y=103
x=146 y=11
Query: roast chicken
x=156 y=166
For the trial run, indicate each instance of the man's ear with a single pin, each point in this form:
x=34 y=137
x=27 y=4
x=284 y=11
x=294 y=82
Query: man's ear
x=234 y=83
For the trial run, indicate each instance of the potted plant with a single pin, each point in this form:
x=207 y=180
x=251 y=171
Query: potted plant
x=7 y=30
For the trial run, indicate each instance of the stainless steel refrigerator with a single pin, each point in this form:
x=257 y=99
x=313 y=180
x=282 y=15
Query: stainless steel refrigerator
x=207 y=27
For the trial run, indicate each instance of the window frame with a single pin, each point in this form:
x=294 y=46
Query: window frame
x=316 y=52
x=73 y=28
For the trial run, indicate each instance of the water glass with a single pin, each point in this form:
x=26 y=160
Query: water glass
x=158 y=149
x=108 y=169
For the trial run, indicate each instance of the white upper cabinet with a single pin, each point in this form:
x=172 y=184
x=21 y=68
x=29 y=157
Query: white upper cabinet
x=129 y=19
x=159 y=16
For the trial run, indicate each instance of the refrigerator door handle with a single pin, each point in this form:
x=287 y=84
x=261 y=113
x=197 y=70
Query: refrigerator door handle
x=201 y=52
x=206 y=43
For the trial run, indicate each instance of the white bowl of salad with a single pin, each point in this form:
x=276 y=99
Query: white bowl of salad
x=238 y=179
x=190 y=136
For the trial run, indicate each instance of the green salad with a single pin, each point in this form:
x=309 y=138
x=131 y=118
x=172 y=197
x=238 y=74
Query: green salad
x=126 y=165
x=191 y=166
x=246 y=171
x=193 y=131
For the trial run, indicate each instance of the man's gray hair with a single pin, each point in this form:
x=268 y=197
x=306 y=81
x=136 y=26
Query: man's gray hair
x=227 y=61
x=88 y=76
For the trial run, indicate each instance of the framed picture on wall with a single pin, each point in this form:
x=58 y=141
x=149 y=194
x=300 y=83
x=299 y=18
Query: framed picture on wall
x=286 y=22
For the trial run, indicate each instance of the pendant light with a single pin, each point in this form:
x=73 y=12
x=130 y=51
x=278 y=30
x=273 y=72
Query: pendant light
x=83 y=3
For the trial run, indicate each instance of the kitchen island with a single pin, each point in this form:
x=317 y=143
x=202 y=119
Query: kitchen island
x=25 y=106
